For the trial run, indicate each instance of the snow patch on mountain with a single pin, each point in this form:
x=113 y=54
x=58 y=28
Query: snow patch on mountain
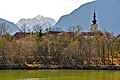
x=45 y=22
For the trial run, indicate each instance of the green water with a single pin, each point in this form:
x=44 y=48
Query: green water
x=59 y=75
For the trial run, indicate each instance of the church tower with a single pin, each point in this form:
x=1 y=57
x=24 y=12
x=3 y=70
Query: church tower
x=94 y=25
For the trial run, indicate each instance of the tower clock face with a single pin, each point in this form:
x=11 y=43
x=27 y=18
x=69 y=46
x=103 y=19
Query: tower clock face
x=94 y=27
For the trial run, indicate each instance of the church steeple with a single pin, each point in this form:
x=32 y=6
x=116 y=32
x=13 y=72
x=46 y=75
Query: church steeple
x=94 y=25
x=94 y=18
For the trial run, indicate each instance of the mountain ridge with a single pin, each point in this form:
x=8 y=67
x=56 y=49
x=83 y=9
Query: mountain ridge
x=45 y=22
x=12 y=28
x=107 y=16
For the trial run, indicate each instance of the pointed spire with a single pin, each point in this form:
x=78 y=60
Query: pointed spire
x=94 y=18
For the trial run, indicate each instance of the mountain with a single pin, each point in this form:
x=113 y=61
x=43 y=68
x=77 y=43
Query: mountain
x=108 y=16
x=9 y=26
x=39 y=20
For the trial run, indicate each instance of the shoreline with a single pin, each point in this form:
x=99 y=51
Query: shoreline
x=63 y=67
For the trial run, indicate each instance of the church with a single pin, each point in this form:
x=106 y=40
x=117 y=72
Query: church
x=93 y=30
x=94 y=26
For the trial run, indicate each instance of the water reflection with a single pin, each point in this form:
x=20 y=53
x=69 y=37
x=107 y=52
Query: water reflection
x=38 y=79
x=59 y=75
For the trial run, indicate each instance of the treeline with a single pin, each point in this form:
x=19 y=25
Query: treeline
x=67 y=49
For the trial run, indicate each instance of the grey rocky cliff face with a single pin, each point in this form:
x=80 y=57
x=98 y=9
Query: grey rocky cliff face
x=45 y=22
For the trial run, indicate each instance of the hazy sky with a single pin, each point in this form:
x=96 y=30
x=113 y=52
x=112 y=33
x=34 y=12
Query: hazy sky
x=13 y=10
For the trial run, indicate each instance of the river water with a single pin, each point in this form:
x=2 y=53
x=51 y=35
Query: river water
x=59 y=75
